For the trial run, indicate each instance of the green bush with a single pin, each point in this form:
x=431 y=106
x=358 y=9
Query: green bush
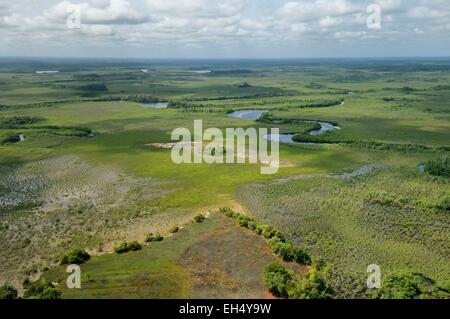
x=174 y=229
x=49 y=293
x=313 y=286
x=277 y=279
x=403 y=284
x=43 y=290
x=252 y=225
x=439 y=167
x=134 y=246
x=151 y=238
x=8 y=292
x=75 y=256
x=244 y=220
x=288 y=252
x=126 y=247
x=200 y=218
x=269 y=232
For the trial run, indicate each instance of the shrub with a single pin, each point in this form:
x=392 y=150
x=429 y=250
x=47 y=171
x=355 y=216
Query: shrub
x=269 y=232
x=277 y=279
x=8 y=292
x=174 y=229
x=134 y=246
x=252 y=225
x=49 y=293
x=200 y=218
x=151 y=238
x=288 y=252
x=443 y=203
x=10 y=139
x=439 y=167
x=126 y=247
x=313 y=286
x=302 y=257
x=43 y=290
x=403 y=284
x=122 y=248
x=244 y=220
x=75 y=256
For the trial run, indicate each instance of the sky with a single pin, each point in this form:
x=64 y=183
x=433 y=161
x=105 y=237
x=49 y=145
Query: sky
x=225 y=28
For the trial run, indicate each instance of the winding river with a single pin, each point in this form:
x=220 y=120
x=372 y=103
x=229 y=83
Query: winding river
x=254 y=115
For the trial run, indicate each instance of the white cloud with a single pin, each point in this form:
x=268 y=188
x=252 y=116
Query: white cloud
x=329 y=22
x=313 y=10
x=196 y=8
x=206 y=25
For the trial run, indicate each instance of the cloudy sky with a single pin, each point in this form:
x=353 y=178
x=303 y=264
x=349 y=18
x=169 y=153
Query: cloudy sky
x=224 y=28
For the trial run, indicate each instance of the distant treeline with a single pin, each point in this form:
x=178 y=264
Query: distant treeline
x=28 y=122
x=94 y=87
x=230 y=72
x=18 y=121
x=305 y=138
x=270 y=119
x=108 y=98
x=322 y=104
x=128 y=98
x=187 y=102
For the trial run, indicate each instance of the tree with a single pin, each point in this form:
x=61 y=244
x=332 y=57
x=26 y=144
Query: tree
x=277 y=278
x=403 y=284
x=313 y=286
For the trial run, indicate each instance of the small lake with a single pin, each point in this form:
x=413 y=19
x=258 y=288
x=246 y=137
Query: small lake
x=159 y=105
x=325 y=127
x=251 y=115
x=46 y=72
x=201 y=71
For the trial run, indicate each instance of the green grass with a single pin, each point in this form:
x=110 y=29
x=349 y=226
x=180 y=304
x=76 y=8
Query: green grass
x=391 y=217
x=171 y=268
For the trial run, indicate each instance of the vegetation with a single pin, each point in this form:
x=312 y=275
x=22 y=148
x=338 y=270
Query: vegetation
x=8 y=292
x=76 y=256
x=278 y=279
x=42 y=290
x=276 y=240
x=404 y=284
x=313 y=286
x=288 y=252
x=18 y=121
x=100 y=87
x=440 y=167
x=95 y=166
x=174 y=229
x=200 y=218
x=126 y=247
x=284 y=283
x=150 y=238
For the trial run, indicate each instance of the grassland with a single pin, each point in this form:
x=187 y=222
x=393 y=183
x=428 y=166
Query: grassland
x=88 y=175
